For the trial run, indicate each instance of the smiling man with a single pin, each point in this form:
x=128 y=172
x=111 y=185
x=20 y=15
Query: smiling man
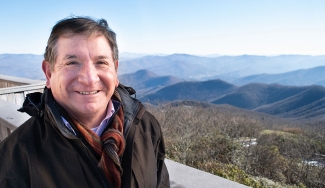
x=86 y=129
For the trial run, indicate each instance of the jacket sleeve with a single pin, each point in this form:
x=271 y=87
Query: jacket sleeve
x=162 y=172
x=149 y=154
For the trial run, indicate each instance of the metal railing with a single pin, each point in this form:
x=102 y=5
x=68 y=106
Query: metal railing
x=11 y=99
x=17 y=94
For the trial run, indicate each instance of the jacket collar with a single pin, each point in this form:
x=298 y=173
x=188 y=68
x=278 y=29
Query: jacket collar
x=37 y=103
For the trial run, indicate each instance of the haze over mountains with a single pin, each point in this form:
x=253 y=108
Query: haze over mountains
x=22 y=65
x=284 y=69
x=228 y=68
x=302 y=77
x=285 y=86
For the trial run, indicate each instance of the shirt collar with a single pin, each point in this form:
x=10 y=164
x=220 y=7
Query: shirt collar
x=109 y=112
x=112 y=105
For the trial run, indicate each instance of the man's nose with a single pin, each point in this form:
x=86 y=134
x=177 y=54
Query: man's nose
x=88 y=74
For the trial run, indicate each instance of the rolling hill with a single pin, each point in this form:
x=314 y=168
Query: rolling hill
x=273 y=99
x=251 y=96
x=310 y=100
x=190 y=90
x=144 y=81
x=282 y=101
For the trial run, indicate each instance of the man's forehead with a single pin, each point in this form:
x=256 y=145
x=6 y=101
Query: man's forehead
x=82 y=35
x=77 y=45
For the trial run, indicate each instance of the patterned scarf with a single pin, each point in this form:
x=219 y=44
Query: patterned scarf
x=110 y=146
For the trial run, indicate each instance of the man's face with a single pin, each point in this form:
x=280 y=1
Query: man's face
x=84 y=75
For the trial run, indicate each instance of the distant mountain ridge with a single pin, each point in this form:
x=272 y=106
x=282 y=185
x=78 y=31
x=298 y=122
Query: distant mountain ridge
x=22 y=65
x=302 y=77
x=144 y=81
x=233 y=69
x=273 y=99
x=228 y=68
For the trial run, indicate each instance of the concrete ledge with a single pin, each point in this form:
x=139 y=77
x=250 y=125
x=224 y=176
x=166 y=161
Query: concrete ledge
x=10 y=118
x=23 y=88
x=182 y=176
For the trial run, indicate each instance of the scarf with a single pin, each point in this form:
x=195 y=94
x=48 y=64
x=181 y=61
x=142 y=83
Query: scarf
x=109 y=146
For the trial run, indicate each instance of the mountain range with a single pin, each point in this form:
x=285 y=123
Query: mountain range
x=238 y=70
x=227 y=68
x=297 y=102
x=289 y=86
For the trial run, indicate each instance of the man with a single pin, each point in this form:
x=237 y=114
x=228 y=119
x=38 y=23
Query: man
x=86 y=130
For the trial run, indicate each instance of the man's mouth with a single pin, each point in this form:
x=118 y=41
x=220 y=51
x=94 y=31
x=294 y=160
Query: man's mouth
x=88 y=92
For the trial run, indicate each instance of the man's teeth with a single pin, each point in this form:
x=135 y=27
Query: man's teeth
x=88 y=93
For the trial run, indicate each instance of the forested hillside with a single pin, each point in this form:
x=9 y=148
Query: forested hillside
x=254 y=149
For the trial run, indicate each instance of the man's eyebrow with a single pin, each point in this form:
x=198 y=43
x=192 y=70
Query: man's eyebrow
x=68 y=56
x=103 y=57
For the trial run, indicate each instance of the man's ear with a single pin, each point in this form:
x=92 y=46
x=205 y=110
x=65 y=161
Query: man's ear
x=116 y=65
x=117 y=81
x=46 y=67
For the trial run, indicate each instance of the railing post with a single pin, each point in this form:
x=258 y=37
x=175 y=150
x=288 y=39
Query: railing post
x=4 y=131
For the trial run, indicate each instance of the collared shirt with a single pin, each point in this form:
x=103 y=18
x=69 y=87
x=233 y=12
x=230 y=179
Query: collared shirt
x=99 y=129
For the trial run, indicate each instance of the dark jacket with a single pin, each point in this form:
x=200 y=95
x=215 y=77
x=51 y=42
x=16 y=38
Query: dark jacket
x=44 y=153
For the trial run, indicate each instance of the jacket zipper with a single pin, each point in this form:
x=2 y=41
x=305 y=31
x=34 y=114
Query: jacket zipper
x=92 y=162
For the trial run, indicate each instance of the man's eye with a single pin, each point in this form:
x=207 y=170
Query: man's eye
x=72 y=63
x=101 y=63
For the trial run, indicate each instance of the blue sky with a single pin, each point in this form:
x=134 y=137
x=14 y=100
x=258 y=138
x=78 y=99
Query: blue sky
x=225 y=27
